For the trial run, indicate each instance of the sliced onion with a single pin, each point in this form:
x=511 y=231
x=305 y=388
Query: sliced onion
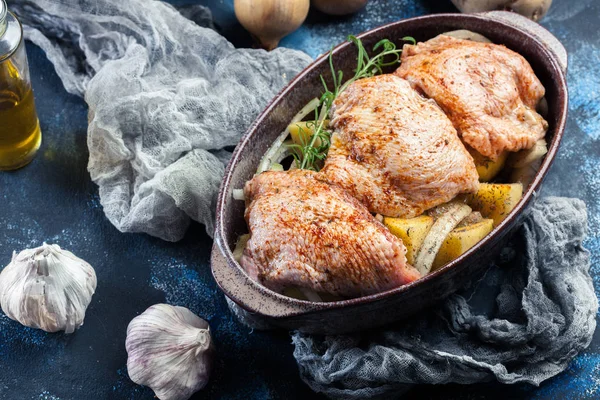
x=444 y=224
x=467 y=35
x=302 y=294
x=526 y=174
x=311 y=295
x=323 y=114
x=272 y=153
x=294 y=292
x=542 y=107
x=526 y=157
x=307 y=109
x=276 y=167
x=278 y=151
x=474 y=218
x=240 y=246
x=238 y=194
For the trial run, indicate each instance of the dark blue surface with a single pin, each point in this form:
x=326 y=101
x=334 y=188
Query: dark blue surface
x=54 y=200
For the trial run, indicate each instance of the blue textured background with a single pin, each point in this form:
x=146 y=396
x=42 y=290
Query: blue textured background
x=54 y=200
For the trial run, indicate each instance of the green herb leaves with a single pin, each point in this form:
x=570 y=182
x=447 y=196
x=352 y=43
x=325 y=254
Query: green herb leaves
x=310 y=151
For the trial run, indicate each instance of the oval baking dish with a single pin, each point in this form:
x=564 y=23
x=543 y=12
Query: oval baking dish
x=548 y=59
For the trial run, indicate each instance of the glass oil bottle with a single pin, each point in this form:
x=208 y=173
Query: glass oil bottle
x=20 y=134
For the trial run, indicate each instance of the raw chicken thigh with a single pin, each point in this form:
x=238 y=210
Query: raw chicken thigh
x=488 y=91
x=309 y=234
x=394 y=150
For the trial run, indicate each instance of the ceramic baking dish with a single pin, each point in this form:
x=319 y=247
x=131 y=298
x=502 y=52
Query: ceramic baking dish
x=548 y=59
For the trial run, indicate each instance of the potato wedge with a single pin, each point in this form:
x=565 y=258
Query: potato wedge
x=486 y=167
x=460 y=240
x=411 y=231
x=302 y=131
x=495 y=200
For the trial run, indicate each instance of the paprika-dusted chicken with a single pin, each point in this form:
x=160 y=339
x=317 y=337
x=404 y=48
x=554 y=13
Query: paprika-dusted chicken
x=309 y=234
x=394 y=150
x=488 y=91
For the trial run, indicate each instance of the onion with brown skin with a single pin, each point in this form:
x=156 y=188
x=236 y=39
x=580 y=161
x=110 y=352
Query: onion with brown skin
x=270 y=20
x=532 y=9
x=339 y=7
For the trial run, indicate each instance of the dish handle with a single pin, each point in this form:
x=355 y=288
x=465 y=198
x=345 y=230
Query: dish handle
x=552 y=44
x=259 y=302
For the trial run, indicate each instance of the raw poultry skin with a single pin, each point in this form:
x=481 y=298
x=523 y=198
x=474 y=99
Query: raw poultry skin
x=394 y=150
x=307 y=233
x=488 y=91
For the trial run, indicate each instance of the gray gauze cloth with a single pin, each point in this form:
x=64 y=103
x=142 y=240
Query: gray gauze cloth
x=165 y=97
x=524 y=321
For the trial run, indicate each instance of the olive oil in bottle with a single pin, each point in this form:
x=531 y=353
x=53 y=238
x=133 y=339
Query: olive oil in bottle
x=20 y=134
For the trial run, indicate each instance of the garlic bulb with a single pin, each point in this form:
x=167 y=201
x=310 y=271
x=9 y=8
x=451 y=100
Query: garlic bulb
x=271 y=20
x=47 y=288
x=532 y=9
x=169 y=349
x=339 y=7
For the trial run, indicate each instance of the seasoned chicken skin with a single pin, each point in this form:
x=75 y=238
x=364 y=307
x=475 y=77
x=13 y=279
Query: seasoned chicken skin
x=488 y=91
x=309 y=234
x=394 y=150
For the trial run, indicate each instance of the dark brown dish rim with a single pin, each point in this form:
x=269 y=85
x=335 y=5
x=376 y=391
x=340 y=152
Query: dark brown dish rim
x=255 y=298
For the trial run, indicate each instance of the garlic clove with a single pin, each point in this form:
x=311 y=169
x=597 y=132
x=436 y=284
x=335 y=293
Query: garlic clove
x=47 y=288
x=270 y=20
x=170 y=350
x=532 y=9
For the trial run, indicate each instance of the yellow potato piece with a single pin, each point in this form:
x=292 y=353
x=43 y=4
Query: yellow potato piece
x=411 y=231
x=495 y=200
x=487 y=168
x=460 y=240
x=302 y=131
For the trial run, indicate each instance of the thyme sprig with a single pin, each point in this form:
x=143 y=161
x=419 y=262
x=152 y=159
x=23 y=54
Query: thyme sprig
x=313 y=149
